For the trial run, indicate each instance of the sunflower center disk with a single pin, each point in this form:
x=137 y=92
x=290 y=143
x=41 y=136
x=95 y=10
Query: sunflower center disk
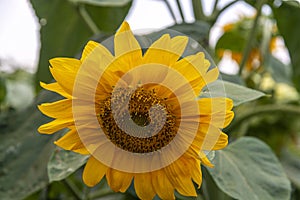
x=137 y=120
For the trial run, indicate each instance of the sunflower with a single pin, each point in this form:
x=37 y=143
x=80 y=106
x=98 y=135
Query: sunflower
x=137 y=113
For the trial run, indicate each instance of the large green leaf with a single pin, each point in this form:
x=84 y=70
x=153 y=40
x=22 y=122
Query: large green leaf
x=291 y=163
x=209 y=187
x=63 y=163
x=64 y=31
x=239 y=94
x=288 y=17
x=24 y=153
x=248 y=170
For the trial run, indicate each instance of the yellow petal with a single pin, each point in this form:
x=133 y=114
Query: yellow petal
x=117 y=180
x=143 y=186
x=194 y=69
x=93 y=172
x=189 y=65
x=71 y=141
x=55 y=125
x=196 y=63
x=222 y=142
x=165 y=51
x=55 y=87
x=57 y=109
x=94 y=74
x=210 y=137
x=178 y=45
x=67 y=64
x=214 y=105
x=204 y=80
x=205 y=160
x=162 y=186
x=125 y=42
x=211 y=75
x=180 y=177
x=91 y=45
x=64 y=78
x=127 y=51
x=197 y=173
x=220 y=120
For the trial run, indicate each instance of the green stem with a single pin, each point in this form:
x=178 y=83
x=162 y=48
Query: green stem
x=264 y=109
x=73 y=189
x=217 y=12
x=88 y=20
x=198 y=9
x=251 y=37
x=180 y=10
x=215 y=6
x=170 y=10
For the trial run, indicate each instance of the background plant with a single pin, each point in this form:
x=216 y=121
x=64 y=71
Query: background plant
x=262 y=160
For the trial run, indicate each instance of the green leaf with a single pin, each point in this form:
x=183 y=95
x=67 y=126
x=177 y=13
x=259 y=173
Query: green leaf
x=239 y=94
x=103 y=2
x=24 y=153
x=248 y=170
x=279 y=71
x=233 y=40
x=233 y=79
x=209 y=187
x=64 y=31
x=198 y=30
x=3 y=89
x=63 y=163
x=108 y=18
x=291 y=164
x=288 y=17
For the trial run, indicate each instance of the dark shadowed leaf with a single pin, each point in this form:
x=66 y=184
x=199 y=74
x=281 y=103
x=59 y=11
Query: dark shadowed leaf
x=24 y=153
x=2 y=89
x=288 y=17
x=108 y=18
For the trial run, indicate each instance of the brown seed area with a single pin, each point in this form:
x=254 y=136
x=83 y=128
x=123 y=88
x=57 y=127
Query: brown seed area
x=144 y=122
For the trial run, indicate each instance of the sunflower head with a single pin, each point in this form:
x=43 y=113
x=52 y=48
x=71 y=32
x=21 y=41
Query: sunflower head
x=137 y=113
